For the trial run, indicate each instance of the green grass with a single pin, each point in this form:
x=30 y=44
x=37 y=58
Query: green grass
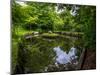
x=14 y=53
x=21 y=31
x=50 y=35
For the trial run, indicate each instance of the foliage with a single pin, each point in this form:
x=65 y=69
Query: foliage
x=57 y=26
x=87 y=19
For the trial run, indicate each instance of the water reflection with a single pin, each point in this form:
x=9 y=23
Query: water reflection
x=43 y=54
x=63 y=58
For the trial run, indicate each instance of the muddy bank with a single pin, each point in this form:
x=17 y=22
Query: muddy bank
x=89 y=60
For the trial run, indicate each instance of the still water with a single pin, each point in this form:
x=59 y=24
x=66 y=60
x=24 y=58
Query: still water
x=37 y=54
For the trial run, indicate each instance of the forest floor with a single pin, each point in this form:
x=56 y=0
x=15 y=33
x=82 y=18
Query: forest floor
x=89 y=60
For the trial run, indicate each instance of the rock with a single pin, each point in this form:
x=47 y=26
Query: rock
x=27 y=37
x=35 y=33
x=61 y=67
x=50 y=32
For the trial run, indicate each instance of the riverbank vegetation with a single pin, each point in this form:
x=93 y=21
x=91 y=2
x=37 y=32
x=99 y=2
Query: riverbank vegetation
x=49 y=25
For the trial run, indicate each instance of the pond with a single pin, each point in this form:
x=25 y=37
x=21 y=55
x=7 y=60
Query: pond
x=46 y=53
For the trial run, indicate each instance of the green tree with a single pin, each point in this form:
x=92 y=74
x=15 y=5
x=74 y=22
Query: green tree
x=87 y=19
